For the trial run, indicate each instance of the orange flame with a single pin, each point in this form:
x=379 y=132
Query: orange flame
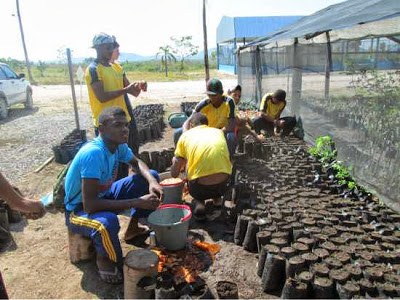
x=185 y=273
x=212 y=248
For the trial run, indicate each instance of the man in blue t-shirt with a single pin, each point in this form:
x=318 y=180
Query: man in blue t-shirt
x=93 y=200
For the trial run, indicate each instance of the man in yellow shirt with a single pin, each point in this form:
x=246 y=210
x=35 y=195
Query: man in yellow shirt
x=220 y=112
x=107 y=83
x=271 y=108
x=203 y=151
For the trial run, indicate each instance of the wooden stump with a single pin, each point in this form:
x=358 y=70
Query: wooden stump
x=80 y=248
x=137 y=265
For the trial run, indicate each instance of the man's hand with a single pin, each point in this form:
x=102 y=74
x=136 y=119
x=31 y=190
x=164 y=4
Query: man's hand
x=148 y=201
x=261 y=137
x=143 y=85
x=134 y=89
x=280 y=123
x=156 y=189
x=32 y=209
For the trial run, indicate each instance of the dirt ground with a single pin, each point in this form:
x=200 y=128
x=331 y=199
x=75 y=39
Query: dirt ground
x=38 y=266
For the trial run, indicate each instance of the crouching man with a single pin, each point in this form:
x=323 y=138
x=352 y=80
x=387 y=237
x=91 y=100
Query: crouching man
x=93 y=199
x=203 y=151
x=270 y=120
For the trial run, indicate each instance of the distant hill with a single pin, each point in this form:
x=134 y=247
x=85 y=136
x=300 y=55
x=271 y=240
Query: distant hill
x=137 y=57
x=134 y=57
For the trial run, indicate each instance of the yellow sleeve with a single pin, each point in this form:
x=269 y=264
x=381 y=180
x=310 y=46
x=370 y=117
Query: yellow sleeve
x=180 y=150
x=264 y=98
x=93 y=75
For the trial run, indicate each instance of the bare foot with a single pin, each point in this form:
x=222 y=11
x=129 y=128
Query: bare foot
x=134 y=230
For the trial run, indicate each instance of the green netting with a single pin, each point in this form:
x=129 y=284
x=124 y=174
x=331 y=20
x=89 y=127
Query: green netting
x=358 y=105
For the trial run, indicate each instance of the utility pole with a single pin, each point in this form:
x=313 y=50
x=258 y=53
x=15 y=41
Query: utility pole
x=206 y=65
x=28 y=65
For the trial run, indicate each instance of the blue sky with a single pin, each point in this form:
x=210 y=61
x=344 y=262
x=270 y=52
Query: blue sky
x=140 y=26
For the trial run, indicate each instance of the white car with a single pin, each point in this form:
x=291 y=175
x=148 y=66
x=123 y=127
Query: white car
x=14 y=89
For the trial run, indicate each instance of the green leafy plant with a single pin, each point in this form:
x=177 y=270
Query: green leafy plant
x=324 y=150
x=41 y=66
x=184 y=48
x=326 y=153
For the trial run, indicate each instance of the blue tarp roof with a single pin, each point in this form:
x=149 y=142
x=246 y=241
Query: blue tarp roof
x=251 y=27
x=342 y=15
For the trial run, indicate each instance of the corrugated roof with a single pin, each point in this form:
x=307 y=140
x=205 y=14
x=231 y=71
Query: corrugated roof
x=338 y=16
x=251 y=27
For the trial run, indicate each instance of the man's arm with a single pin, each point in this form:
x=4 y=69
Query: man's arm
x=230 y=126
x=178 y=164
x=278 y=115
x=154 y=187
x=231 y=117
x=267 y=117
x=104 y=96
x=92 y=203
x=142 y=86
x=17 y=202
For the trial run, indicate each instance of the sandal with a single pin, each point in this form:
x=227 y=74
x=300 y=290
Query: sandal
x=109 y=277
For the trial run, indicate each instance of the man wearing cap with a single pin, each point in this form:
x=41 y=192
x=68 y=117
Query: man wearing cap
x=220 y=112
x=107 y=83
x=270 y=120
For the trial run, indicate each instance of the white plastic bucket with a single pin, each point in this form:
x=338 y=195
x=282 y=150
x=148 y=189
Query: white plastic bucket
x=171 y=224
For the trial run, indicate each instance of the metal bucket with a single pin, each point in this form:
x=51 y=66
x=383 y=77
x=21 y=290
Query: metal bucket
x=171 y=224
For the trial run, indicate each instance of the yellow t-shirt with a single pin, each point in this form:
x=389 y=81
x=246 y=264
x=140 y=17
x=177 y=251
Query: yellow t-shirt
x=112 y=78
x=205 y=150
x=272 y=109
x=217 y=117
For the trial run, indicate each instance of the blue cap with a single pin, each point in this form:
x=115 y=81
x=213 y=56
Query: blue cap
x=102 y=38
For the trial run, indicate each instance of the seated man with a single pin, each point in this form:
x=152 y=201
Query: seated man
x=271 y=108
x=93 y=200
x=203 y=151
x=220 y=112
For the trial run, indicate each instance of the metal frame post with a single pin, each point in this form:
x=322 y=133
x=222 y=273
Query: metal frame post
x=296 y=79
x=328 y=66
x=71 y=79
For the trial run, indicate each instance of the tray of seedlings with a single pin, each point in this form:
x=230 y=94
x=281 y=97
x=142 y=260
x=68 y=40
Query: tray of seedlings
x=158 y=160
x=150 y=121
x=69 y=146
x=314 y=237
x=188 y=107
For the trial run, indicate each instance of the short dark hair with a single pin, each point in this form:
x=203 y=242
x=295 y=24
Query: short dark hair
x=110 y=113
x=198 y=119
x=237 y=88
x=280 y=95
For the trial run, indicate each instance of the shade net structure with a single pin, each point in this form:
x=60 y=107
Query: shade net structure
x=340 y=68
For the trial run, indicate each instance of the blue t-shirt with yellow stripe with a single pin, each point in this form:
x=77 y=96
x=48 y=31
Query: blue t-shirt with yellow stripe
x=93 y=161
